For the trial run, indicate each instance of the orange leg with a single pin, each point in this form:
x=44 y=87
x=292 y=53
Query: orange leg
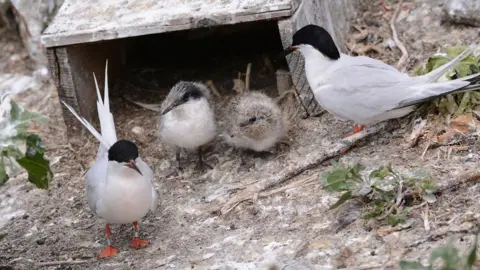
x=387 y=8
x=137 y=242
x=109 y=251
x=356 y=129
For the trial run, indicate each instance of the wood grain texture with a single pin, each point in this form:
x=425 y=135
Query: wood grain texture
x=72 y=69
x=91 y=20
x=63 y=80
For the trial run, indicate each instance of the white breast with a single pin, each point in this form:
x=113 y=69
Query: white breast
x=189 y=125
x=124 y=196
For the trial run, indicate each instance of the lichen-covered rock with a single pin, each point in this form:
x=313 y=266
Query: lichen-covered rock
x=463 y=11
x=32 y=18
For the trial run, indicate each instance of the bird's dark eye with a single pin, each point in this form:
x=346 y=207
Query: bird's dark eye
x=185 y=97
x=252 y=120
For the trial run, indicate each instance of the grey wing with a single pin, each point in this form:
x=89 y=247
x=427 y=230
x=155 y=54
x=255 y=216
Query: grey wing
x=96 y=180
x=148 y=173
x=365 y=90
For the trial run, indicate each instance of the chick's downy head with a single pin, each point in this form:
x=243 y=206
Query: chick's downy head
x=255 y=122
x=184 y=92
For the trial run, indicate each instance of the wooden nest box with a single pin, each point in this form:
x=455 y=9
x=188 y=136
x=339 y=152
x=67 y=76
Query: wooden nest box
x=173 y=33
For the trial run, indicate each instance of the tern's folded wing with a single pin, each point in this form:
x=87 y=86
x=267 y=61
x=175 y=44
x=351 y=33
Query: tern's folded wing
x=96 y=181
x=363 y=91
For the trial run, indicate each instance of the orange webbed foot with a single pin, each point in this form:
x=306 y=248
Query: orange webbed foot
x=109 y=251
x=138 y=243
x=356 y=129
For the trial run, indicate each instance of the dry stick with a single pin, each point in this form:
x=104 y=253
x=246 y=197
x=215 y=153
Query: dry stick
x=295 y=184
x=268 y=64
x=43 y=264
x=312 y=160
x=471 y=176
x=247 y=77
x=369 y=267
x=426 y=223
x=213 y=88
x=395 y=36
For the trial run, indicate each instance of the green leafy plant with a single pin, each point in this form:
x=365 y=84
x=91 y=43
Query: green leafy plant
x=386 y=194
x=19 y=147
x=450 y=256
x=456 y=104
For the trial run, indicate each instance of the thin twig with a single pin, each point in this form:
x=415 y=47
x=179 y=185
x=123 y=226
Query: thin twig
x=399 y=192
x=239 y=84
x=88 y=226
x=43 y=264
x=247 y=77
x=268 y=64
x=295 y=184
x=400 y=45
x=368 y=267
x=425 y=150
x=213 y=88
x=425 y=219
x=284 y=94
x=471 y=176
x=314 y=159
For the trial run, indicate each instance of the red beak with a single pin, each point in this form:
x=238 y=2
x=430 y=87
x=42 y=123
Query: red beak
x=133 y=166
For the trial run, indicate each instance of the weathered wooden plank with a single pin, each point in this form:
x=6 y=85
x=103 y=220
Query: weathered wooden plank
x=72 y=70
x=63 y=80
x=92 y=20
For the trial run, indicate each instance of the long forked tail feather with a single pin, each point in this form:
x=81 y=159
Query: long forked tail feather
x=435 y=74
x=108 y=135
x=473 y=85
x=87 y=125
x=107 y=126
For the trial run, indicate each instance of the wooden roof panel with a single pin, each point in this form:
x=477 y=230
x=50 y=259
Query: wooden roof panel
x=83 y=21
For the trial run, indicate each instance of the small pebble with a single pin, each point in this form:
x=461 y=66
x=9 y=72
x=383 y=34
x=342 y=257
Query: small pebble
x=40 y=241
x=139 y=131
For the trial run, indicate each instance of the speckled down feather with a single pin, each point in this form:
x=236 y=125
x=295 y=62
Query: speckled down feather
x=253 y=121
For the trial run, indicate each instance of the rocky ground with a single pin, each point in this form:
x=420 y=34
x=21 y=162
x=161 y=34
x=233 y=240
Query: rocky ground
x=55 y=229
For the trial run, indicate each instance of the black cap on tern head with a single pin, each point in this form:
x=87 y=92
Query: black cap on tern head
x=123 y=151
x=317 y=37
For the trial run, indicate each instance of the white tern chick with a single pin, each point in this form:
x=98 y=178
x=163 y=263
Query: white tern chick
x=254 y=122
x=363 y=89
x=187 y=118
x=119 y=184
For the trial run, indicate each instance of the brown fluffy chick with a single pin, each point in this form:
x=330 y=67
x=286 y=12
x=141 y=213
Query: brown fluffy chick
x=253 y=121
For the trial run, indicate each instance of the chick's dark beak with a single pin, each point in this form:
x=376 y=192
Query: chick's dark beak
x=288 y=51
x=171 y=107
x=133 y=166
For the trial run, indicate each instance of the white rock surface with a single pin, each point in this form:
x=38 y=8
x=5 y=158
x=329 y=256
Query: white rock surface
x=463 y=11
x=33 y=17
